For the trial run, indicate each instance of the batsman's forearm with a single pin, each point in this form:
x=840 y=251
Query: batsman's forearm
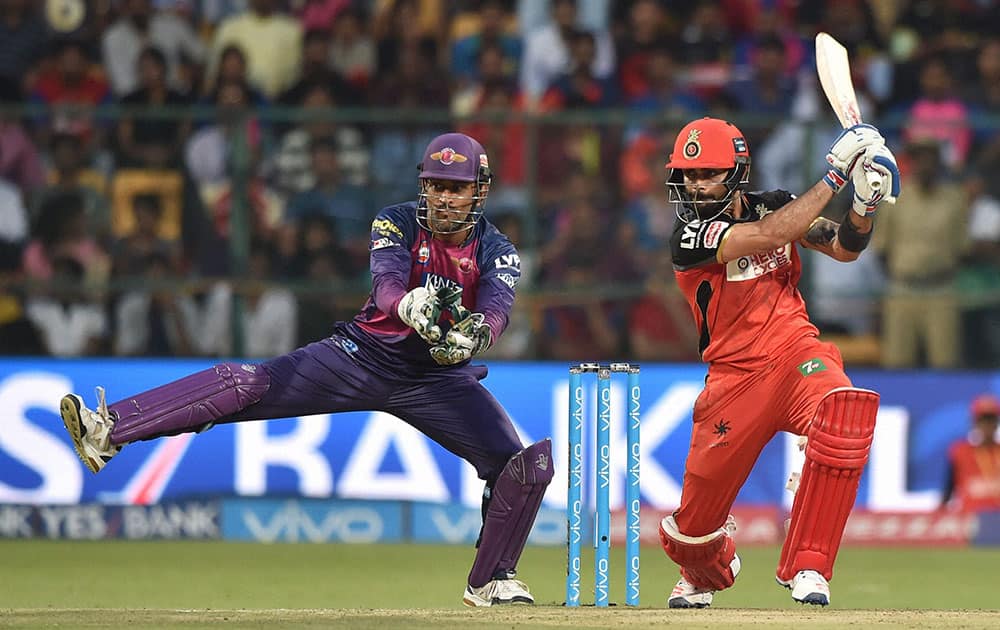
x=793 y=220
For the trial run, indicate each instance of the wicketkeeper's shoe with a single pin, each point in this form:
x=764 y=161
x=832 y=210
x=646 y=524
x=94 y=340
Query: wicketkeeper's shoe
x=687 y=595
x=497 y=592
x=90 y=429
x=809 y=587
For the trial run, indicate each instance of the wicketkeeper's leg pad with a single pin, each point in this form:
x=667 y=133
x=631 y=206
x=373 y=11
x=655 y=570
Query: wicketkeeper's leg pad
x=840 y=438
x=511 y=510
x=707 y=562
x=192 y=403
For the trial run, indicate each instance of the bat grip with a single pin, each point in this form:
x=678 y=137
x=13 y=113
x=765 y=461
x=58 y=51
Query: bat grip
x=874 y=179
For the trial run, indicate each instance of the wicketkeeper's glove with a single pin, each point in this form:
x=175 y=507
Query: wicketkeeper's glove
x=420 y=309
x=845 y=152
x=468 y=337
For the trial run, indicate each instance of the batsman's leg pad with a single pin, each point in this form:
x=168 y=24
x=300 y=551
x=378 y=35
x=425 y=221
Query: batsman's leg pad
x=516 y=497
x=840 y=437
x=707 y=562
x=192 y=403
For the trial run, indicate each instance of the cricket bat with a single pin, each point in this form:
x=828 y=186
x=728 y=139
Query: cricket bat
x=834 y=72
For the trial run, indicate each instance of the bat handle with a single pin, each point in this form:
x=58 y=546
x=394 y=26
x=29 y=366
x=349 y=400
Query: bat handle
x=874 y=179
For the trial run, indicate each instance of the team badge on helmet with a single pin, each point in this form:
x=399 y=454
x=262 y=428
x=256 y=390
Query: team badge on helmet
x=448 y=156
x=692 y=148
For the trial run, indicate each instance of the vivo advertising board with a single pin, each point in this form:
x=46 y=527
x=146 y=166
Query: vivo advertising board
x=376 y=456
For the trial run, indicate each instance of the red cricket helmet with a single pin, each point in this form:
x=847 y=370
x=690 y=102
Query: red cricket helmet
x=707 y=143
x=985 y=405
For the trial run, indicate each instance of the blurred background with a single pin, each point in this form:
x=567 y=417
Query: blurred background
x=186 y=177
x=182 y=180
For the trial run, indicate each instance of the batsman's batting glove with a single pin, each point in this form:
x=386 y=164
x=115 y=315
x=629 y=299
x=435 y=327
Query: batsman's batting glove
x=880 y=161
x=420 y=309
x=845 y=152
x=466 y=338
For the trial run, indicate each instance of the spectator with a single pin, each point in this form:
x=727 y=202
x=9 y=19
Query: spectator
x=319 y=309
x=660 y=326
x=155 y=320
x=921 y=261
x=400 y=27
x=316 y=72
x=13 y=218
x=24 y=36
x=352 y=50
x=941 y=115
x=271 y=41
x=290 y=167
x=658 y=90
x=764 y=90
x=152 y=142
x=493 y=31
x=206 y=152
x=139 y=28
x=73 y=81
x=973 y=482
x=233 y=69
x=270 y=312
x=579 y=87
x=547 y=52
x=71 y=321
x=131 y=254
x=70 y=174
x=646 y=30
x=61 y=231
x=20 y=162
x=346 y=205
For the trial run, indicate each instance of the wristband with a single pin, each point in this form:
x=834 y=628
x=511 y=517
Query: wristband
x=852 y=240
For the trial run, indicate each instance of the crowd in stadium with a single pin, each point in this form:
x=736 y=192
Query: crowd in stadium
x=207 y=108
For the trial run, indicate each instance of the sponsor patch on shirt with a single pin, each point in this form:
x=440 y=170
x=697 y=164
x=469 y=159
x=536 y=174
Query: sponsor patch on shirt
x=508 y=279
x=385 y=227
x=381 y=243
x=756 y=265
x=712 y=233
x=812 y=366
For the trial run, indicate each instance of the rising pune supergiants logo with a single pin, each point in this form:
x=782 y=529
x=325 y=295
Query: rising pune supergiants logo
x=448 y=156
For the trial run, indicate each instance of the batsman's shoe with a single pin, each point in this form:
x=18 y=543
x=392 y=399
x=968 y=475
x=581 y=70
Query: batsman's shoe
x=809 y=587
x=687 y=595
x=496 y=592
x=90 y=430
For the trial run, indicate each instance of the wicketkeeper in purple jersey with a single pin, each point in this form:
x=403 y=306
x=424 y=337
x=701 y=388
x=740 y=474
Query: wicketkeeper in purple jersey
x=443 y=280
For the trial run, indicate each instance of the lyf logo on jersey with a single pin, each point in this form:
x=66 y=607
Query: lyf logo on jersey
x=434 y=282
x=507 y=261
x=423 y=253
x=689 y=236
x=448 y=156
x=756 y=265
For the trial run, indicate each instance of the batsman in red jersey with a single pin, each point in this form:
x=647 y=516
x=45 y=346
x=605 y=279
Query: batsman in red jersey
x=736 y=260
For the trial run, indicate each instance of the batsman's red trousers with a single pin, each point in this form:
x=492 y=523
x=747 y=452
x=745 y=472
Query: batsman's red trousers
x=737 y=414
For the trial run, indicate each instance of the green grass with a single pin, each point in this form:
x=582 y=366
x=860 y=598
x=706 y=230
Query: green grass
x=42 y=579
